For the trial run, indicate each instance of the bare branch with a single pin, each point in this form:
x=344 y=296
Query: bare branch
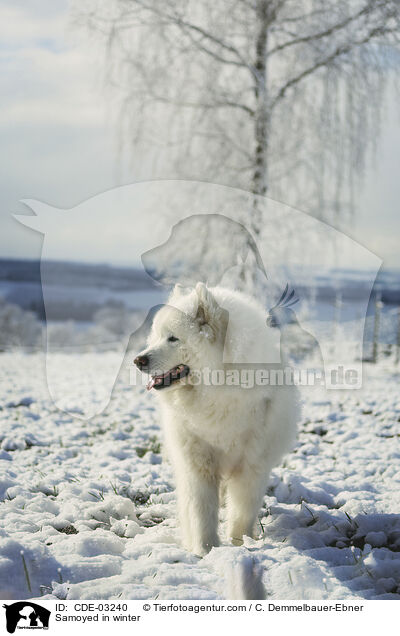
x=340 y=51
x=189 y=27
x=203 y=105
x=322 y=34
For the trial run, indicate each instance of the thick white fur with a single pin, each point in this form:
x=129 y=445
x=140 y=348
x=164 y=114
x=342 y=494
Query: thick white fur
x=219 y=435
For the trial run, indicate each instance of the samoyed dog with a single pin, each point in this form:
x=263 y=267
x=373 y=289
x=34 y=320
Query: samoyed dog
x=222 y=435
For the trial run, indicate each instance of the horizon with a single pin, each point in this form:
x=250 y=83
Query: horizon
x=139 y=266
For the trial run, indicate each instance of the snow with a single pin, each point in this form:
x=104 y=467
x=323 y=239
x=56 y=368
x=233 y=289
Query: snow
x=88 y=508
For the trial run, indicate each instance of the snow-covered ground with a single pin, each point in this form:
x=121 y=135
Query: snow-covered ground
x=88 y=508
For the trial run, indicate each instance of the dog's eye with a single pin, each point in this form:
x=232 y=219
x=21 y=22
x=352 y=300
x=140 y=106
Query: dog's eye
x=173 y=339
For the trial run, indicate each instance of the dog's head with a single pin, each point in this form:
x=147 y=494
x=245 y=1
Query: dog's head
x=187 y=335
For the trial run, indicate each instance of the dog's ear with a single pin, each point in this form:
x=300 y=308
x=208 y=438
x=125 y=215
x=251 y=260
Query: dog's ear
x=210 y=317
x=206 y=305
x=178 y=290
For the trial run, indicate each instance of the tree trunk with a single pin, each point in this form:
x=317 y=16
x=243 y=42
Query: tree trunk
x=261 y=117
x=261 y=129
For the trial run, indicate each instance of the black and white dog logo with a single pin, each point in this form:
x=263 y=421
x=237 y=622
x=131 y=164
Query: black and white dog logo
x=26 y=615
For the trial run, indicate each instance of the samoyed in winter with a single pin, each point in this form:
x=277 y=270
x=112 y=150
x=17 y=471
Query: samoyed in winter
x=222 y=434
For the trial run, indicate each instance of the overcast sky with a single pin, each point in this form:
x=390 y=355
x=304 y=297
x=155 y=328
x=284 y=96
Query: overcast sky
x=58 y=143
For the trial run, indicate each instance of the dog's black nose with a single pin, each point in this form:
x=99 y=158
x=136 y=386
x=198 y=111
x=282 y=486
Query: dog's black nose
x=141 y=361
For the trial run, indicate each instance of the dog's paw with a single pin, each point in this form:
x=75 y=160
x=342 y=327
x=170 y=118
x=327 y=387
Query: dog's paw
x=236 y=540
x=202 y=548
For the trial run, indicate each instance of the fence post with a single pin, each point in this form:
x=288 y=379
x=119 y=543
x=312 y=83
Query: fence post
x=397 y=359
x=377 y=316
x=336 y=315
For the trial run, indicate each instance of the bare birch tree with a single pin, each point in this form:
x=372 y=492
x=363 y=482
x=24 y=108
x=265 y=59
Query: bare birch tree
x=277 y=96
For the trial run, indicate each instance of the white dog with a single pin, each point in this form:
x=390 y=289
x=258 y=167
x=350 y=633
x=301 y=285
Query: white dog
x=225 y=435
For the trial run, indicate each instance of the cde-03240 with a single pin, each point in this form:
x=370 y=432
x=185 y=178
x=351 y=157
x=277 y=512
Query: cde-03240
x=101 y=607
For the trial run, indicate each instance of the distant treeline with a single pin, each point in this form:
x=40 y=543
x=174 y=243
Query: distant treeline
x=21 y=284
x=76 y=274
x=78 y=290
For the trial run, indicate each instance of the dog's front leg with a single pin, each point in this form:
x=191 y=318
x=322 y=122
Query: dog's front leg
x=197 y=485
x=245 y=491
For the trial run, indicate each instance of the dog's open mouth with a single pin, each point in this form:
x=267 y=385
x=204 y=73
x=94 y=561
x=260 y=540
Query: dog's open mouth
x=168 y=378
